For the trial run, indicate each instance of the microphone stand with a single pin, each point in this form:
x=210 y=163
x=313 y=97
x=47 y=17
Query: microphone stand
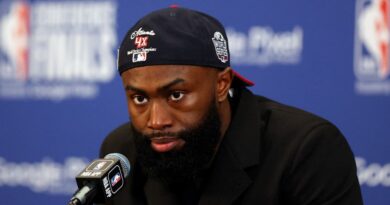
x=84 y=195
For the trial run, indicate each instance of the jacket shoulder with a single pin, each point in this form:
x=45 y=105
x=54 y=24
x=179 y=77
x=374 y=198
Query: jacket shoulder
x=306 y=153
x=119 y=140
x=290 y=120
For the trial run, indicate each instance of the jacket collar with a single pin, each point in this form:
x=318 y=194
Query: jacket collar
x=240 y=149
x=243 y=135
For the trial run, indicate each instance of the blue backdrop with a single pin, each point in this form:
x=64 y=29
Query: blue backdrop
x=60 y=93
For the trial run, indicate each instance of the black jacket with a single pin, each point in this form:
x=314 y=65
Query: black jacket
x=271 y=154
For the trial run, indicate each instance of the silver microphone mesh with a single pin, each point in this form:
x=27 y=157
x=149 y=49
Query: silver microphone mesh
x=125 y=164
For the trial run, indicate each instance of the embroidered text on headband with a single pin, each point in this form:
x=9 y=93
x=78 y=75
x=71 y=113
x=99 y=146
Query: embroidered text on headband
x=176 y=36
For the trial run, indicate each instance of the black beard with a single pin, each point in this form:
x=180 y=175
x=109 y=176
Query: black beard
x=190 y=161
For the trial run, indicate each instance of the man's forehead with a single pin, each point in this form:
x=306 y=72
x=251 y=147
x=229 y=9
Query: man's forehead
x=157 y=72
x=162 y=77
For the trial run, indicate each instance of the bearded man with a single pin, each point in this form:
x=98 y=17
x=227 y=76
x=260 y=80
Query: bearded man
x=198 y=136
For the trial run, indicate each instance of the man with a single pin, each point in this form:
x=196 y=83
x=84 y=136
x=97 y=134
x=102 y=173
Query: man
x=199 y=136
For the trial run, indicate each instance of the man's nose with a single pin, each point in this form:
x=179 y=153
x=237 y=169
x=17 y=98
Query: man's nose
x=159 y=117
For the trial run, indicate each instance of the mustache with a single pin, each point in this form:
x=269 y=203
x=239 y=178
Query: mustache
x=162 y=134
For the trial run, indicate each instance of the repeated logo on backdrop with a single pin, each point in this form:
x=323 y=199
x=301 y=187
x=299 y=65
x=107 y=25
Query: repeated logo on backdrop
x=262 y=46
x=14 y=29
x=46 y=176
x=56 y=50
x=372 y=174
x=372 y=44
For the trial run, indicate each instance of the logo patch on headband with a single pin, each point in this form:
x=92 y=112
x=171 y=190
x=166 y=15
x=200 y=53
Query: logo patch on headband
x=141 y=41
x=220 y=47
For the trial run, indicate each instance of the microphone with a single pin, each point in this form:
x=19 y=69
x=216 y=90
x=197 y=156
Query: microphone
x=101 y=180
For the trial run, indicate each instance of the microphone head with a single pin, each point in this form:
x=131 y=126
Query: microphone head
x=125 y=164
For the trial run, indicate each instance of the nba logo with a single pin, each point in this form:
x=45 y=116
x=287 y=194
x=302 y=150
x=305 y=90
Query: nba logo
x=115 y=179
x=372 y=47
x=14 y=34
x=372 y=40
x=99 y=166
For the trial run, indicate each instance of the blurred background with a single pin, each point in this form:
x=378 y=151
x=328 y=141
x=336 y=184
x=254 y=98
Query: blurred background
x=60 y=93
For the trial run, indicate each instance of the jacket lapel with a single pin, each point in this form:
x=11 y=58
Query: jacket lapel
x=157 y=193
x=227 y=181
x=239 y=150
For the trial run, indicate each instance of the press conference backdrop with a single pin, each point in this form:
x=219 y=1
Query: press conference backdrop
x=60 y=93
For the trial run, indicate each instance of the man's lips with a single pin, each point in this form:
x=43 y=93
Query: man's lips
x=165 y=144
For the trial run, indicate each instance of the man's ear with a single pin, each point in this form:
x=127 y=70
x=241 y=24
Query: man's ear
x=224 y=81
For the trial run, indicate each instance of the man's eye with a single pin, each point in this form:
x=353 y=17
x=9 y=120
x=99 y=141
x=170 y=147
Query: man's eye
x=176 y=96
x=139 y=99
